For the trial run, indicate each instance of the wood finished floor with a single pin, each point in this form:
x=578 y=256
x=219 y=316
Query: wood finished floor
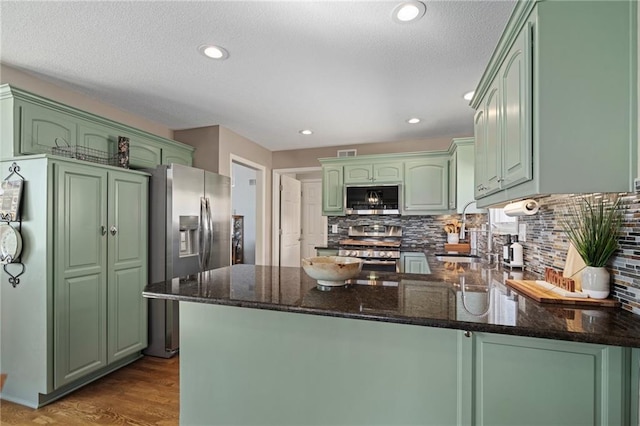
x=145 y=392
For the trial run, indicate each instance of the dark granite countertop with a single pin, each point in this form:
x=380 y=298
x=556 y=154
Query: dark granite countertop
x=434 y=300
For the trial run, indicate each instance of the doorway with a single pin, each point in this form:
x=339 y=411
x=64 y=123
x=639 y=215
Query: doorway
x=243 y=207
x=313 y=226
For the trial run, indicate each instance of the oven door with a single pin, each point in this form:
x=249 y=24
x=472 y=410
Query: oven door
x=381 y=265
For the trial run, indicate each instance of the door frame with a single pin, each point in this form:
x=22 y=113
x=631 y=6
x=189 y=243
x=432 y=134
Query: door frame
x=275 y=206
x=262 y=244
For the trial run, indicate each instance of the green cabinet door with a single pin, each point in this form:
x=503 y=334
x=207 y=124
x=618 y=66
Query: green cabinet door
x=493 y=155
x=453 y=180
x=358 y=173
x=326 y=252
x=515 y=100
x=41 y=128
x=524 y=381
x=390 y=172
x=480 y=152
x=414 y=263
x=127 y=264
x=143 y=153
x=80 y=271
x=426 y=187
x=177 y=156
x=95 y=136
x=382 y=173
x=332 y=191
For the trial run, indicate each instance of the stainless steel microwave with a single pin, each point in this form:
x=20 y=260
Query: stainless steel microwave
x=370 y=199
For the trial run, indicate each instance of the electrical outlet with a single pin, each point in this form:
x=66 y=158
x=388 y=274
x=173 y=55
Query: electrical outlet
x=334 y=229
x=522 y=232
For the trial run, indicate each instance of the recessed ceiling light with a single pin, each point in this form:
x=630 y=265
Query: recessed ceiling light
x=414 y=120
x=306 y=132
x=468 y=96
x=213 y=52
x=409 y=11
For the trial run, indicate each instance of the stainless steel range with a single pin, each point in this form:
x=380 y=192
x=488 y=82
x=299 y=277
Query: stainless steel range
x=378 y=245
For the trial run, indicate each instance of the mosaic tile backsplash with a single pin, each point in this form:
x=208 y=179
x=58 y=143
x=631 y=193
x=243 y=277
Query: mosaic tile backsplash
x=546 y=244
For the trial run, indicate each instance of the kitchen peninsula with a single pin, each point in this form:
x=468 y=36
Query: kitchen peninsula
x=264 y=345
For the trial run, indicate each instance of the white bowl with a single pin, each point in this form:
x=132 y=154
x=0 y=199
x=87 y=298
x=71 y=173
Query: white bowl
x=332 y=270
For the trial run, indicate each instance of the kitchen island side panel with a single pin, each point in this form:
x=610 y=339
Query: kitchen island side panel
x=248 y=366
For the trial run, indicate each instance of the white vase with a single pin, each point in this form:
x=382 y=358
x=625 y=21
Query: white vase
x=453 y=238
x=595 y=282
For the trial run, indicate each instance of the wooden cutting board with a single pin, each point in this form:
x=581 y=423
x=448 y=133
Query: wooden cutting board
x=460 y=247
x=542 y=295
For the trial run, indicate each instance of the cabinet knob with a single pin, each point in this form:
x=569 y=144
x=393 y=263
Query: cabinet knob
x=467 y=334
x=103 y=230
x=113 y=230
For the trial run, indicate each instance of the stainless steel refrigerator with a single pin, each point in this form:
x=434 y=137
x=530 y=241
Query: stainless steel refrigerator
x=190 y=232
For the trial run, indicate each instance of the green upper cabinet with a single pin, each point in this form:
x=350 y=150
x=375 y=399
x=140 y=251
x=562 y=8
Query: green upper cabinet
x=378 y=173
x=332 y=190
x=423 y=178
x=144 y=154
x=426 y=186
x=461 y=176
x=504 y=121
x=34 y=125
x=96 y=136
x=549 y=103
x=453 y=181
x=177 y=156
x=42 y=129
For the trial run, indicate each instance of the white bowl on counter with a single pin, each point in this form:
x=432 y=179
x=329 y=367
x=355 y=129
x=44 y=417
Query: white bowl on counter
x=332 y=270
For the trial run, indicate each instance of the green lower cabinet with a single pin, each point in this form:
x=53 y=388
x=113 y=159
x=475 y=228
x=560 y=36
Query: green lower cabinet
x=525 y=381
x=127 y=265
x=100 y=268
x=295 y=369
x=414 y=263
x=80 y=260
x=326 y=252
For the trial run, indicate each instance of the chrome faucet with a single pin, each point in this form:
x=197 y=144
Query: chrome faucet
x=462 y=227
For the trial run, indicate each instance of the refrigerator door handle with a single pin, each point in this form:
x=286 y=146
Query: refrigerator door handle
x=210 y=236
x=202 y=232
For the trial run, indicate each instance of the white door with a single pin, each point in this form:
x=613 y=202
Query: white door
x=314 y=225
x=290 y=221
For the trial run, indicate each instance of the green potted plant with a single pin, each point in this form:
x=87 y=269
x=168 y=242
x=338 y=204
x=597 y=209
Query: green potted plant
x=593 y=226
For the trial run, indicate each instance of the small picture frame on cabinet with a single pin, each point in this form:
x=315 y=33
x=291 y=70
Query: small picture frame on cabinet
x=10 y=196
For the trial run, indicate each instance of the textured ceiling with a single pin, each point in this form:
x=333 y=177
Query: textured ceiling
x=342 y=68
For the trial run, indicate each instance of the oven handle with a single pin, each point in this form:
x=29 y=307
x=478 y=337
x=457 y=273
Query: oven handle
x=380 y=262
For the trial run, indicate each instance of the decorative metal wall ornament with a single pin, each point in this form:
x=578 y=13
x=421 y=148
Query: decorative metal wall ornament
x=10 y=237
